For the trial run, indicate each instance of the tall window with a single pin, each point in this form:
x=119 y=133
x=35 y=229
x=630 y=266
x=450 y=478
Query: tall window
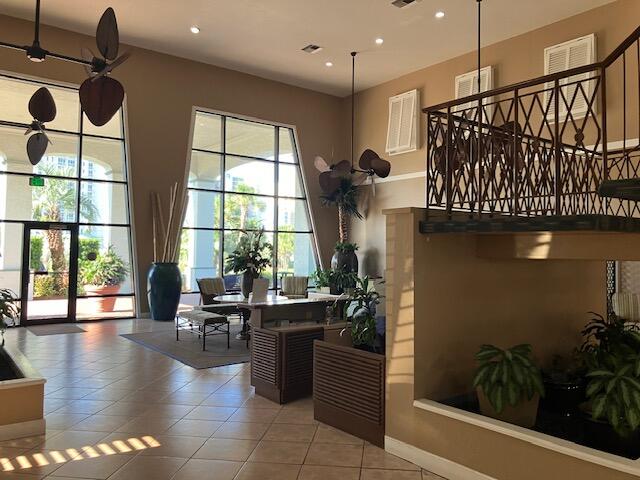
x=85 y=185
x=244 y=175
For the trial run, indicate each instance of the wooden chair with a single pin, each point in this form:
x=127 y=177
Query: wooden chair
x=294 y=287
x=210 y=288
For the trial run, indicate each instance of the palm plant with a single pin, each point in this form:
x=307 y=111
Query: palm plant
x=360 y=310
x=51 y=202
x=252 y=254
x=345 y=198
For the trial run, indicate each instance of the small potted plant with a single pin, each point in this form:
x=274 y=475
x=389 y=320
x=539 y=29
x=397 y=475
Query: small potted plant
x=565 y=384
x=9 y=310
x=103 y=277
x=508 y=383
x=361 y=312
x=251 y=257
x=322 y=280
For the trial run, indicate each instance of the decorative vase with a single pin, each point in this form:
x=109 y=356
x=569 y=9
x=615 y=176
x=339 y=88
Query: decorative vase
x=164 y=285
x=246 y=287
x=346 y=261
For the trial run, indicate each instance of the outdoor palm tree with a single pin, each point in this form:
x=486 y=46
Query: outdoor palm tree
x=51 y=202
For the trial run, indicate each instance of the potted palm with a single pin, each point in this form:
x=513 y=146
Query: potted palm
x=508 y=383
x=345 y=198
x=251 y=257
x=102 y=278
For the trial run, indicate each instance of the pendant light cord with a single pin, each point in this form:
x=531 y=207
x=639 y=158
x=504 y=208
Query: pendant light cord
x=36 y=40
x=479 y=44
x=353 y=106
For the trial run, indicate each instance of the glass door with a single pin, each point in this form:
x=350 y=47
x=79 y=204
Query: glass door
x=49 y=273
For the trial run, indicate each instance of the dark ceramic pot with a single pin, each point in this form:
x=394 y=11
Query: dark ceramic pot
x=563 y=397
x=164 y=285
x=347 y=261
x=246 y=287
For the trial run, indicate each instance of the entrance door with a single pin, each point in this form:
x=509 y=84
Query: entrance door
x=49 y=273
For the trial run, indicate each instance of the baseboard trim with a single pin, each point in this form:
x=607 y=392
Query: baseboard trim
x=23 y=429
x=431 y=462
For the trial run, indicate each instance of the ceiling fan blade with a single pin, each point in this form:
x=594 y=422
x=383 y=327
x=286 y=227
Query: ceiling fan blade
x=36 y=147
x=328 y=183
x=101 y=98
x=42 y=106
x=320 y=164
x=119 y=61
x=373 y=186
x=107 y=36
x=380 y=167
x=365 y=159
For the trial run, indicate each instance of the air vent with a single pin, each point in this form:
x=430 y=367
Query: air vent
x=403 y=3
x=311 y=48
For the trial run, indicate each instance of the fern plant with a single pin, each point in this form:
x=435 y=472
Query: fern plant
x=614 y=392
x=507 y=377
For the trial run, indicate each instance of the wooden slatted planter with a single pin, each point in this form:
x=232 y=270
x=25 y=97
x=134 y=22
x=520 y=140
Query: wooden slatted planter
x=348 y=390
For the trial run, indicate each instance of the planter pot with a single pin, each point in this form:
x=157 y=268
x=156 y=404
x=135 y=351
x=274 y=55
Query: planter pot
x=164 y=285
x=349 y=390
x=324 y=289
x=246 y=287
x=563 y=397
x=601 y=435
x=523 y=414
x=104 y=304
x=347 y=261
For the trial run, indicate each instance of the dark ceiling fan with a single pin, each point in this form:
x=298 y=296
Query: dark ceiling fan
x=100 y=96
x=370 y=164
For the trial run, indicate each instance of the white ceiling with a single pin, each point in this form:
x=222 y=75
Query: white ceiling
x=264 y=37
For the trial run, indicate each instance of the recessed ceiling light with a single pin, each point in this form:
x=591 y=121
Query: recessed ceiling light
x=439 y=14
x=328 y=64
x=379 y=41
x=195 y=29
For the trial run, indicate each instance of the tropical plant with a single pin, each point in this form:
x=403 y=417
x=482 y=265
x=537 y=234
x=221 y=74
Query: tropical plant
x=108 y=269
x=36 y=248
x=344 y=279
x=608 y=338
x=345 y=198
x=252 y=254
x=346 y=247
x=614 y=392
x=360 y=310
x=9 y=309
x=507 y=377
x=322 y=278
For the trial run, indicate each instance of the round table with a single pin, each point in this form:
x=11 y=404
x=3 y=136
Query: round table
x=239 y=298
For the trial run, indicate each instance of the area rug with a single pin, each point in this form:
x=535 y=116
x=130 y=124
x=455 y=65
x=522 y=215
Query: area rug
x=55 y=329
x=189 y=349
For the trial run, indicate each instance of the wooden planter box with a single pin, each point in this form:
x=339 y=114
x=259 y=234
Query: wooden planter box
x=22 y=394
x=348 y=390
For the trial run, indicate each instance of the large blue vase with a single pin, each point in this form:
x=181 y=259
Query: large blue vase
x=164 y=284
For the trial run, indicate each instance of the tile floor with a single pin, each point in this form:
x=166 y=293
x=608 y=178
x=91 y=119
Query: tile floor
x=116 y=410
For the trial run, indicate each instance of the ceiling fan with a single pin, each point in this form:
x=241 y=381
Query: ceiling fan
x=370 y=164
x=100 y=96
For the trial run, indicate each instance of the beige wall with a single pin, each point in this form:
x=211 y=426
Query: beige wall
x=442 y=303
x=514 y=60
x=161 y=91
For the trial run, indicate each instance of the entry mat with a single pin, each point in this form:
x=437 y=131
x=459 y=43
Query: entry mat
x=55 y=329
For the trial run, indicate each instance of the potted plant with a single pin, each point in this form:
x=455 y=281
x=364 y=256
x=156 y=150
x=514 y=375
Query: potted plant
x=612 y=354
x=250 y=257
x=508 y=383
x=322 y=280
x=103 y=277
x=565 y=384
x=361 y=312
x=9 y=310
x=345 y=198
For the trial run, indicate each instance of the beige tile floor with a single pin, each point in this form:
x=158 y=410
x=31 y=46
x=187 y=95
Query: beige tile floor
x=116 y=410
